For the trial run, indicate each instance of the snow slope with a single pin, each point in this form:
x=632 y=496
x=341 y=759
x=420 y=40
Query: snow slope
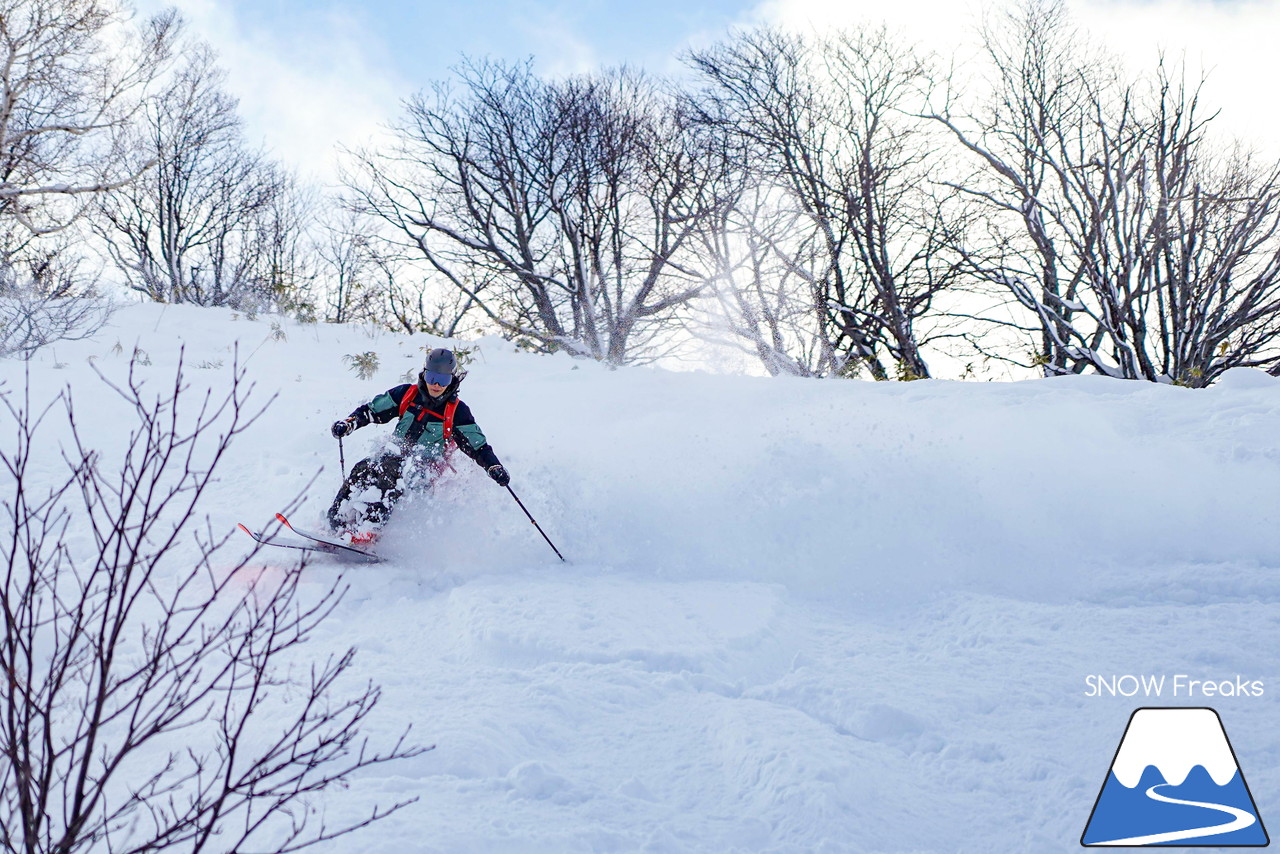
x=799 y=616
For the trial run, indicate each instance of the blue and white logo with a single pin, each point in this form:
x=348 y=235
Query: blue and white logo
x=1175 y=781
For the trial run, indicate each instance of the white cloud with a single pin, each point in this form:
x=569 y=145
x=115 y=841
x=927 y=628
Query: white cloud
x=936 y=24
x=303 y=88
x=1232 y=41
x=560 y=49
x=312 y=83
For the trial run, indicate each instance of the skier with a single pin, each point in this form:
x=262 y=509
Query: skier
x=428 y=416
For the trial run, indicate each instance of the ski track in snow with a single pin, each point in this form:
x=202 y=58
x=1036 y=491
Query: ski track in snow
x=800 y=616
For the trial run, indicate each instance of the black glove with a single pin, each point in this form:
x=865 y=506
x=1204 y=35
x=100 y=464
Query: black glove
x=343 y=427
x=499 y=475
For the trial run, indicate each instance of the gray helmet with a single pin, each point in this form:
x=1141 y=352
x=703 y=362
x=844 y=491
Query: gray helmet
x=441 y=368
x=441 y=362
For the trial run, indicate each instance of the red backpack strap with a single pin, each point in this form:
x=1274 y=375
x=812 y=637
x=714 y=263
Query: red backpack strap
x=408 y=398
x=450 y=408
x=446 y=432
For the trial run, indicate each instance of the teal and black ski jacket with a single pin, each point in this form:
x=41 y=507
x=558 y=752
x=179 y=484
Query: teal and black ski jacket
x=421 y=422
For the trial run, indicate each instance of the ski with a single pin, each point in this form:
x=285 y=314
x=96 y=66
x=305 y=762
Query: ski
x=313 y=545
x=338 y=547
x=262 y=539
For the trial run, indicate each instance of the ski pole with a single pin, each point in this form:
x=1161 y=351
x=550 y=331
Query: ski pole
x=535 y=524
x=342 y=459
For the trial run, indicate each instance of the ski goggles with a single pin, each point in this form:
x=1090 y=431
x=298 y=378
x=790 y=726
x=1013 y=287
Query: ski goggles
x=433 y=378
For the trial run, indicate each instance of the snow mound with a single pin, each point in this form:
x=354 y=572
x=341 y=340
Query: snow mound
x=1245 y=378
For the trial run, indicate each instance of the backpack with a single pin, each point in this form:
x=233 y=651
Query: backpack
x=447 y=417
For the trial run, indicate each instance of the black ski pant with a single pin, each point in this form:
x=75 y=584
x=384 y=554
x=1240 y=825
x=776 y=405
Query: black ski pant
x=382 y=472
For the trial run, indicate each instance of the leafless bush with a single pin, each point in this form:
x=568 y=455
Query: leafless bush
x=43 y=298
x=30 y=320
x=149 y=700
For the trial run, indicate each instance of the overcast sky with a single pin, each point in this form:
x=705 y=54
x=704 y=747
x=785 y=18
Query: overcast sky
x=314 y=73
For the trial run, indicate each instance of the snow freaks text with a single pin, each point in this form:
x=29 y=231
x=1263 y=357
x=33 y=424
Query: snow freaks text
x=1178 y=685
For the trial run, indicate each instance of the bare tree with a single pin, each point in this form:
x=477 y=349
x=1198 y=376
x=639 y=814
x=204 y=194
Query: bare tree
x=289 y=262
x=828 y=121
x=417 y=301
x=150 y=701
x=361 y=276
x=73 y=74
x=347 y=286
x=763 y=301
x=562 y=209
x=200 y=226
x=1138 y=250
